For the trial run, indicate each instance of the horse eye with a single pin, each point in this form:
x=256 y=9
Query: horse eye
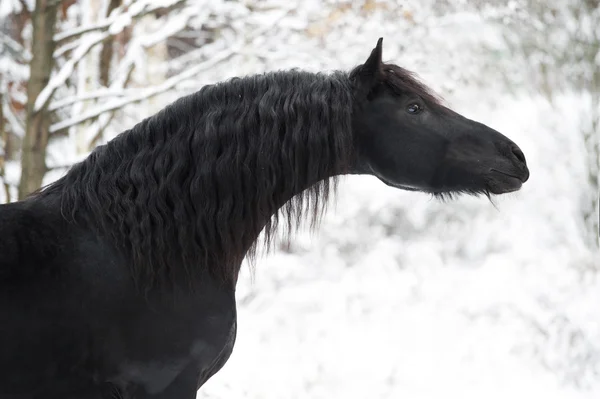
x=414 y=108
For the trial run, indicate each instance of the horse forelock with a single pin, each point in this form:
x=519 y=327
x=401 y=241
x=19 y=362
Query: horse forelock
x=403 y=81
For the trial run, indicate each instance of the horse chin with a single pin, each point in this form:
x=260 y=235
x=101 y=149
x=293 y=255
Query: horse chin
x=502 y=183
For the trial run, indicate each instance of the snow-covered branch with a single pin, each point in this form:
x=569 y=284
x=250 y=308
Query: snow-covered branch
x=67 y=70
x=59 y=52
x=169 y=83
x=120 y=18
x=111 y=26
x=136 y=47
x=145 y=93
x=15 y=49
x=94 y=95
x=126 y=69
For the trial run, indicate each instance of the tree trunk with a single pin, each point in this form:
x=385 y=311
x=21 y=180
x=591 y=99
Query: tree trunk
x=592 y=144
x=3 y=140
x=88 y=77
x=33 y=158
x=14 y=26
x=106 y=54
x=592 y=136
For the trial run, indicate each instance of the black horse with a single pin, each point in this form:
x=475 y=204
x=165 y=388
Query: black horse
x=118 y=280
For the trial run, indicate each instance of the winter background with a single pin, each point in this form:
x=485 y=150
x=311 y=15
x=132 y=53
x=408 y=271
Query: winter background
x=397 y=295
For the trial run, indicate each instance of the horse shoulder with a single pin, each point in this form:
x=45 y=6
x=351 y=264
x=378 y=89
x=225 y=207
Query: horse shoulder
x=30 y=241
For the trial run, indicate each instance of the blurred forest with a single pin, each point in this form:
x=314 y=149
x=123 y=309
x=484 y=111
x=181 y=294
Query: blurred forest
x=74 y=73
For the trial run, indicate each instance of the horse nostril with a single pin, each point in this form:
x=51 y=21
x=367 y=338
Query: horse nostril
x=519 y=154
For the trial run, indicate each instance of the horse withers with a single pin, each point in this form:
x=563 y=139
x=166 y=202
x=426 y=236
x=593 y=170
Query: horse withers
x=118 y=280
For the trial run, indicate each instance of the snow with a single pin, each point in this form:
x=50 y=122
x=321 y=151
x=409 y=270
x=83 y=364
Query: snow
x=397 y=294
x=8 y=7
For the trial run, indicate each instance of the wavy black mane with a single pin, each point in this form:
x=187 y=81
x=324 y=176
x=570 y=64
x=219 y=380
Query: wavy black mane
x=195 y=183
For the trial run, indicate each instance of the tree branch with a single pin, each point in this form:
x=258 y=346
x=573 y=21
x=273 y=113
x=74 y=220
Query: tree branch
x=59 y=52
x=94 y=95
x=144 y=94
x=112 y=25
x=168 y=84
x=105 y=119
x=3 y=140
x=15 y=49
x=125 y=14
x=67 y=70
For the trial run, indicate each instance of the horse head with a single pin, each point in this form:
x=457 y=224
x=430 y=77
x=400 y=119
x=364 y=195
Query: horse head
x=408 y=139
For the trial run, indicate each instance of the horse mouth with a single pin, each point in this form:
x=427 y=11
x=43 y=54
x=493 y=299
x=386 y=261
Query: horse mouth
x=503 y=182
x=396 y=185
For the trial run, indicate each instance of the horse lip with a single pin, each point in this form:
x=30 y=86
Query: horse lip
x=523 y=179
x=510 y=182
x=395 y=185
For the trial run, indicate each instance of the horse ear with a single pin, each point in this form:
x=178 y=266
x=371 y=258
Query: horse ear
x=373 y=65
x=371 y=72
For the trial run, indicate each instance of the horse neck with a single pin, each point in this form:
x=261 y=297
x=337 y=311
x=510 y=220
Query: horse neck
x=271 y=161
x=284 y=202
x=172 y=197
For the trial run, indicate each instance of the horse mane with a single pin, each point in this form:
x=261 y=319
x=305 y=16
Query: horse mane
x=195 y=183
